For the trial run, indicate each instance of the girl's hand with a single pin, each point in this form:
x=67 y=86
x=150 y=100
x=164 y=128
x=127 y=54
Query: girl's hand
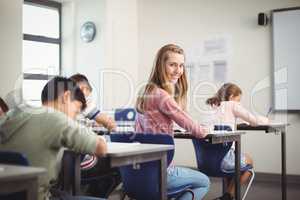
x=205 y=130
x=263 y=120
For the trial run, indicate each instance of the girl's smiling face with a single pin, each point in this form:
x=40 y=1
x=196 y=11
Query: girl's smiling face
x=174 y=67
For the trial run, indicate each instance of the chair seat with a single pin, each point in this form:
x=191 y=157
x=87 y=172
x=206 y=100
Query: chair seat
x=173 y=192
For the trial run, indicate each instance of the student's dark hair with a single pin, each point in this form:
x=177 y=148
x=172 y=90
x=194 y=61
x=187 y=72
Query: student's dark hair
x=224 y=93
x=3 y=105
x=80 y=78
x=57 y=86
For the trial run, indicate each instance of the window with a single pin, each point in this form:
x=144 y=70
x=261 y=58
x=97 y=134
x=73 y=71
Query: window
x=41 y=46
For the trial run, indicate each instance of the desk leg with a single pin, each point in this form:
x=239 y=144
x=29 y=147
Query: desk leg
x=32 y=192
x=71 y=181
x=77 y=178
x=163 y=176
x=283 y=165
x=237 y=169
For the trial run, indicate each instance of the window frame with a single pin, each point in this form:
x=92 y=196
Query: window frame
x=43 y=39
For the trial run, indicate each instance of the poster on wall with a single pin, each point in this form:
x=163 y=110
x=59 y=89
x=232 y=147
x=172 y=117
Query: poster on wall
x=209 y=61
x=207 y=66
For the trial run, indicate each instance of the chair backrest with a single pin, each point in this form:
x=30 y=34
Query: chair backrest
x=14 y=158
x=143 y=183
x=125 y=114
x=209 y=156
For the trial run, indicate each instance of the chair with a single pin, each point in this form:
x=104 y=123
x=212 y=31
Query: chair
x=125 y=119
x=13 y=158
x=125 y=114
x=142 y=183
x=209 y=158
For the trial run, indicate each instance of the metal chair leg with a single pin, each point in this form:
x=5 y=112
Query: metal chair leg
x=123 y=195
x=224 y=185
x=249 y=184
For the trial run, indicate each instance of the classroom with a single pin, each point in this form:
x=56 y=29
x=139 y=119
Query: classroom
x=107 y=54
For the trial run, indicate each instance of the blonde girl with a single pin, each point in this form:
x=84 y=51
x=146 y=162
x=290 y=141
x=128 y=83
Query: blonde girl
x=162 y=103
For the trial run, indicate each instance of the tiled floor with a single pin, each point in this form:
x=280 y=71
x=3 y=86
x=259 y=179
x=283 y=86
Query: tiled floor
x=258 y=191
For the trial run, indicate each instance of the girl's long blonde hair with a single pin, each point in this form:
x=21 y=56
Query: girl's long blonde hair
x=158 y=78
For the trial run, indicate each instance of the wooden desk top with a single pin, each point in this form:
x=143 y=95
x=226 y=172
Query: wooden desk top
x=119 y=149
x=216 y=138
x=216 y=134
x=266 y=128
x=14 y=172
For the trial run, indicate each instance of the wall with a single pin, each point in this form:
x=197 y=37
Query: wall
x=11 y=44
x=188 y=23
x=121 y=53
x=78 y=56
x=111 y=57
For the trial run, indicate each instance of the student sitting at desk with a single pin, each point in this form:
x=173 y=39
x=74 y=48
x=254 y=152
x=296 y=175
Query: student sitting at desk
x=41 y=132
x=163 y=102
x=92 y=112
x=92 y=166
x=227 y=108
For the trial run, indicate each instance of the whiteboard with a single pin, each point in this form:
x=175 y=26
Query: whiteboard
x=286 y=59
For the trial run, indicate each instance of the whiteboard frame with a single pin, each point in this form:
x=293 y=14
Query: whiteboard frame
x=273 y=62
